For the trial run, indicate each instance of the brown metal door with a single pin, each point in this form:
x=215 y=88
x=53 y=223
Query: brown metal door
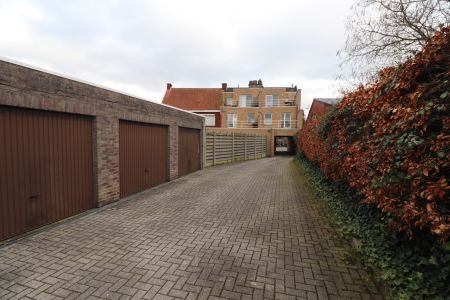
x=143 y=156
x=188 y=150
x=45 y=168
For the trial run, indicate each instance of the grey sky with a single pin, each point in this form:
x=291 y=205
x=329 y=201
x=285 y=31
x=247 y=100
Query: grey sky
x=137 y=46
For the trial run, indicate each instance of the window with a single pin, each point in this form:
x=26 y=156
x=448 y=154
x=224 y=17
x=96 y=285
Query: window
x=246 y=101
x=251 y=119
x=242 y=100
x=210 y=119
x=229 y=101
x=285 y=120
x=232 y=121
x=267 y=119
x=271 y=100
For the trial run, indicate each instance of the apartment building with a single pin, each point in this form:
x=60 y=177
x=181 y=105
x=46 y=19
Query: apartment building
x=257 y=107
x=274 y=111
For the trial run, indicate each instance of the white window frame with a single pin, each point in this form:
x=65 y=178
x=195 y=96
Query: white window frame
x=266 y=120
x=210 y=119
x=285 y=122
x=229 y=101
x=242 y=100
x=271 y=100
x=249 y=101
x=245 y=100
x=233 y=120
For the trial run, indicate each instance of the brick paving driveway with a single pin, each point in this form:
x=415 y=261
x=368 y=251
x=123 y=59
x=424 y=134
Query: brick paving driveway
x=241 y=231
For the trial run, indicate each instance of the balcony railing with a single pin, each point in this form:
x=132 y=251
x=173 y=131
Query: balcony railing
x=260 y=103
x=260 y=124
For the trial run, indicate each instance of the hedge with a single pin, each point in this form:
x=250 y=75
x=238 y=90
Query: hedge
x=390 y=141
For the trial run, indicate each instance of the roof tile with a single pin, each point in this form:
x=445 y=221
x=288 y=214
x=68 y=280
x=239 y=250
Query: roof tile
x=194 y=98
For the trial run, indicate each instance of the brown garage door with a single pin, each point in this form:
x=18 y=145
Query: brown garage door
x=45 y=168
x=143 y=156
x=188 y=150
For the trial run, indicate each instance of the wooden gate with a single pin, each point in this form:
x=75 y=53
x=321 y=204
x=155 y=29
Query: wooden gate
x=143 y=156
x=188 y=150
x=46 y=168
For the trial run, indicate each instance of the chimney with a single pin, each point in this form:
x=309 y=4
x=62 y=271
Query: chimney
x=224 y=86
x=169 y=86
x=255 y=84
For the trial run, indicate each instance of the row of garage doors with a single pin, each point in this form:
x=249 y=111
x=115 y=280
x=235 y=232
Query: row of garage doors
x=47 y=170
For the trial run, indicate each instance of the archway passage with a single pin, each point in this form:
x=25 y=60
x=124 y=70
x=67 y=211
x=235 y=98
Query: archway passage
x=284 y=145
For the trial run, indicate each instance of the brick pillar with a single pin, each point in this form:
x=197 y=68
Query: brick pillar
x=203 y=146
x=106 y=158
x=271 y=137
x=173 y=152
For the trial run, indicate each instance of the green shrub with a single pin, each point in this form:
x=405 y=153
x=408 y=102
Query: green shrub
x=412 y=269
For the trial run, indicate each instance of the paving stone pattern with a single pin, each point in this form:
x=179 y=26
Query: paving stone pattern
x=244 y=231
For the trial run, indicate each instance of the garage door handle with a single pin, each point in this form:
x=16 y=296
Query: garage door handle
x=34 y=196
x=146 y=171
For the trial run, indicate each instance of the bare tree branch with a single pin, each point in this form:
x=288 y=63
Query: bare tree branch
x=383 y=32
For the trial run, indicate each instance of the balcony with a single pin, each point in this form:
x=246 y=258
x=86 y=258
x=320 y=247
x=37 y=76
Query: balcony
x=260 y=103
x=260 y=124
x=279 y=103
x=247 y=103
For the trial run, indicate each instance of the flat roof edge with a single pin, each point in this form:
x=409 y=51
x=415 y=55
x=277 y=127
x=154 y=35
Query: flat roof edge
x=61 y=75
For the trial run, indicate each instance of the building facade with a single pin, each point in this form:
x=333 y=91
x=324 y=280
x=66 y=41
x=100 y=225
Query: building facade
x=276 y=109
x=67 y=146
x=273 y=111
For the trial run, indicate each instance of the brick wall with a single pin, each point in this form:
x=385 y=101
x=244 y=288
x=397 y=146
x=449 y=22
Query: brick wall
x=216 y=114
x=259 y=96
x=318 y=108
x=258 y=112
x=26 y=87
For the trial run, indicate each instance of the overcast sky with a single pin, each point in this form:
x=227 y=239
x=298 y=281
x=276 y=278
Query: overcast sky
x=138 y=46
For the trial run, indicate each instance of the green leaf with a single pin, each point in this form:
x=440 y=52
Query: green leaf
x=444 y=95
x=446 y=247
x=433 y=260
x=440 y=154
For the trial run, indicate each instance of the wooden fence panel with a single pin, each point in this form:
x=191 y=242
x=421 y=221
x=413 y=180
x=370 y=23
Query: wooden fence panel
x=224 y=148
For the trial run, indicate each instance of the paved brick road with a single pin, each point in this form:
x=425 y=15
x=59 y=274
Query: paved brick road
x=242 y=231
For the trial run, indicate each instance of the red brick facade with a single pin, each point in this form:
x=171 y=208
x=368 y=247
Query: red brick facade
x=217 y=116
x=318 y=108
